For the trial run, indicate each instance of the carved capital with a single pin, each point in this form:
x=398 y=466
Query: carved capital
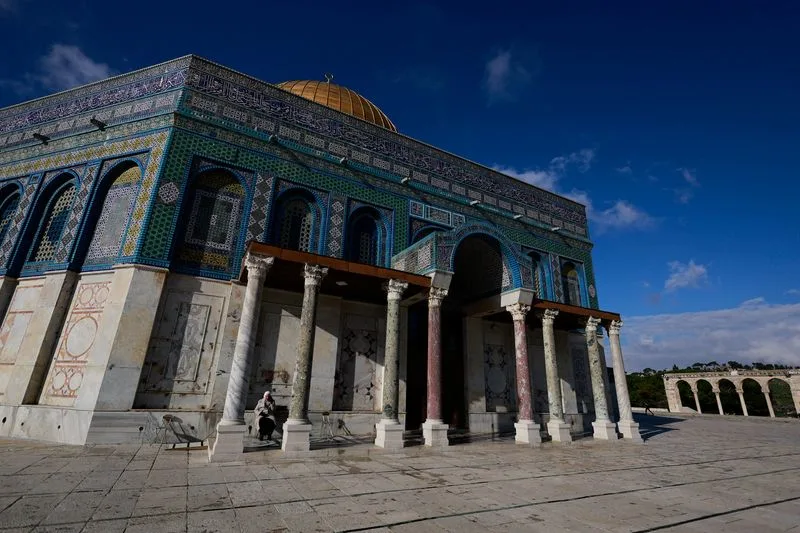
x=435 y=296
x=547 y=316
x=313 y=274
x=395 y=289
x=591 y=325
x=615 y=326
x=258 y=265
x=518 y=311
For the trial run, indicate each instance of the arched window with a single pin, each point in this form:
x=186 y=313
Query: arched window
x=293 y=224
x=212 y=216
x=362 y=238
x=572 y=284
x=8 y=209
x=52 y=225
x=117 y=205
x=539 y=283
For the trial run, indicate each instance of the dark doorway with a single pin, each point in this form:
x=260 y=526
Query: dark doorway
x=454 y=406
x=417 y=365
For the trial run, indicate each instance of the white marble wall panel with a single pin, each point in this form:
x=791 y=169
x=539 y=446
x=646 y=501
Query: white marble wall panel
x=580 y=367
x=476 y=380
x=326 y=348
x=35 y=352
x=359 y=370
x=499 y=367
x=15 y=325
x=538 y=375
x=183 y=351
x=276 y=347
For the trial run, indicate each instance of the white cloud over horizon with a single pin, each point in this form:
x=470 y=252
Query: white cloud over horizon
x=504 y=76
x=755 y=331
x=62 y=67
x=685 y=275
x=619 y=215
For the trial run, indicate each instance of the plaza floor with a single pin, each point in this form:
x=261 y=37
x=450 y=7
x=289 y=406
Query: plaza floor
x=695 y=474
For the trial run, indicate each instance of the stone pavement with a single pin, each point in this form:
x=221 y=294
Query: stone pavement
x=695 y=474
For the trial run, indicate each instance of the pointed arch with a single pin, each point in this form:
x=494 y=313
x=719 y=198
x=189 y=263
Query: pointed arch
x=47 y=223
x=572 y=283
x=211 y=223
x=9 y=202
x=295 y=221
x=366 y=237
x=108 y=216
x=511 y=261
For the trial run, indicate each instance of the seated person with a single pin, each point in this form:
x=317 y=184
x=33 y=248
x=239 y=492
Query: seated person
x=265 y=416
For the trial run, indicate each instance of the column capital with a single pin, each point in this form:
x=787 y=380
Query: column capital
x=258 y=265
x=435 y=296
x=614 y=327
x=395 y=288
x=548 y=316
x=314 y=274
x=518 y=310
x=591 y=325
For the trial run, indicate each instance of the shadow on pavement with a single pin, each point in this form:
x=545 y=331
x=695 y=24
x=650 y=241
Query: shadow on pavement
x=653 y=425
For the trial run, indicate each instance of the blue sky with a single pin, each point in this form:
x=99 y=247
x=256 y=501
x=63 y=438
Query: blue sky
x=677 y=124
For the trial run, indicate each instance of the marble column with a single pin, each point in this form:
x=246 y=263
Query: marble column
x=604 y=428
x=434 y=430
x=626 y=425
x=556 y=427
x=389 y=431
x=740 y=392
x=765 y=390
x=715 y=390
x=229 y=443
x=696 y=399
x=297 y=428
x=527 y=431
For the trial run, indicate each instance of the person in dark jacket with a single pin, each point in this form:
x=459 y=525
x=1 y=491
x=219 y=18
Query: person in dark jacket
x=265 y=416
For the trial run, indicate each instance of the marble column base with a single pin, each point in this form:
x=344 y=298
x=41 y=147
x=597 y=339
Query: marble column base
x=528 y=432
x=559 y=431
x=605 y=430
x=434 y=433
x=389 y=435
x=629 y=430
x=229 y=445
x=296 y=436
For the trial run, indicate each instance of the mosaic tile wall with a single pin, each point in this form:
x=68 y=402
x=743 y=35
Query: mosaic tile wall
x=212 y=222
x=84 y=162
x=113 y=220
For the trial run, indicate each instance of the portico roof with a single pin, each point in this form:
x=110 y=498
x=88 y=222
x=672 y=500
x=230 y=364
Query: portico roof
x=345 y=279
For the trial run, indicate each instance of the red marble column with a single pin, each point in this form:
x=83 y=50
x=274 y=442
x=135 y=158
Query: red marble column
x=518 y=312
x=435 y=297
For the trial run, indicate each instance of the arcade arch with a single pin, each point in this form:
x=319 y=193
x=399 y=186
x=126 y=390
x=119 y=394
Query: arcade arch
x=746 y=392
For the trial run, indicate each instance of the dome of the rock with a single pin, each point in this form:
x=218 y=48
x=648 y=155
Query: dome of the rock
x=339 y=98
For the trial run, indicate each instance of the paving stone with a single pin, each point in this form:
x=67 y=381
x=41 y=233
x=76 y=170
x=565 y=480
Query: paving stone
x=76 y=507
x=29 y=510
x=207 y=497
x=168 y=523
x=222 y=521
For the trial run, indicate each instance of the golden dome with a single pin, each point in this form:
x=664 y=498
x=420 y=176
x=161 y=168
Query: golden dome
x=339 y=98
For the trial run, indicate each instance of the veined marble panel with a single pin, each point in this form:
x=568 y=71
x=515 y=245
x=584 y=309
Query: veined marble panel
x=77 y=337
x=355 y=386
x=15 y=325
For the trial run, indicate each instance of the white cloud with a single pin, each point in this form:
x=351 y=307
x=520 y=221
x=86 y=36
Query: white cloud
x=505 y=76
x=545 y=179
x=625 y=169
x=684 y=194
x=793 y=292
x=683 y=275
x=621 y=214
x=63 y=67
x=582 y=159
x=753 y=332
x=66 y=66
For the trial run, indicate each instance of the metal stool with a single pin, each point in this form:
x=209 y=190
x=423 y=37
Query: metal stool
x=326 y=429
